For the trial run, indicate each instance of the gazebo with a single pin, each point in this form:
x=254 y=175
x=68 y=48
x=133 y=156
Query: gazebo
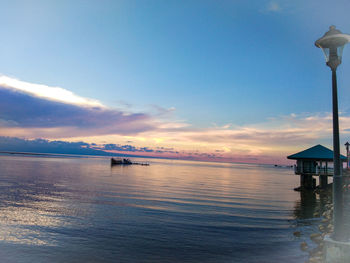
x=314 y=162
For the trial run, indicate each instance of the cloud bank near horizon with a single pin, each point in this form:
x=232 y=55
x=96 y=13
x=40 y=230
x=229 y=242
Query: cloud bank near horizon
x=34 y=111
x=44 y=111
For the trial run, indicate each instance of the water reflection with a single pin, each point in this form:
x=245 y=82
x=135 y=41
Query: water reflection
x=34 y=203
x=81 y=210
x=311 y=204
x=310 y=208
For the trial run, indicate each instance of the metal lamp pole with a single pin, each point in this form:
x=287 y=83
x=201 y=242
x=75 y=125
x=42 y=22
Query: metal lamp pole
x=332 y=44
x=347 y=154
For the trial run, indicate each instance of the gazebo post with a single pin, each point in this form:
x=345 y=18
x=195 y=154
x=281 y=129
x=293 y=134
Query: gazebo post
x=323 y=180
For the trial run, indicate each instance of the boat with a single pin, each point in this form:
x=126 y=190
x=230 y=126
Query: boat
x=125 y=161
x=120 y=161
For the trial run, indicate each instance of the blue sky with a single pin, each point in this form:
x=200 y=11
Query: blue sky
x=203 y=63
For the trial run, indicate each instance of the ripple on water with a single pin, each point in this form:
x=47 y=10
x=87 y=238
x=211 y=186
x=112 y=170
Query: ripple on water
x=82 y=210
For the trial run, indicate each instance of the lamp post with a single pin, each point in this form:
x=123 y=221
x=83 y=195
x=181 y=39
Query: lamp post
x=347 y=154
x=332 y=44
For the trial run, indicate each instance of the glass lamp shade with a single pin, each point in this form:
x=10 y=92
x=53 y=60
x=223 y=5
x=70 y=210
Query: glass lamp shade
x=332 y=45
x=332 y=53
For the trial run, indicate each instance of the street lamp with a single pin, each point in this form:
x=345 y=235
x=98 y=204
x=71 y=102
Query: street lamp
x=347 y=154
x=332 y=44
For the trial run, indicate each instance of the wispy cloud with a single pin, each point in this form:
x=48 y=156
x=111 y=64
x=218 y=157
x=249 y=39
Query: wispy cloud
x=269 y=141
x=273 y=6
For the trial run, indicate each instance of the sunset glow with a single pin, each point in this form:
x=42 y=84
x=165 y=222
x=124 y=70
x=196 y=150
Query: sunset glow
x=149 y=135
x=228 y=86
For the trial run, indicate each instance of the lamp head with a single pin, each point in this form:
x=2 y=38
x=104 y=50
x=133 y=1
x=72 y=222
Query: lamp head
x=332 y=45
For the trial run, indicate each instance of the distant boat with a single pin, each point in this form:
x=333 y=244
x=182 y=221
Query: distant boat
x=124 y=162
x=120 y=161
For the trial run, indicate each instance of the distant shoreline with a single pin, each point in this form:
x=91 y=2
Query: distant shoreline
x=126 y=155
x=47 y=154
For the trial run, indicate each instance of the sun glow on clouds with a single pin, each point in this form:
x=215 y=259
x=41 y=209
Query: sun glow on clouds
x=54 y=113
x=267 y=142
x=47 y=92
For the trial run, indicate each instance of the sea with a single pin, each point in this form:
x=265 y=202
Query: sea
x=82 y=209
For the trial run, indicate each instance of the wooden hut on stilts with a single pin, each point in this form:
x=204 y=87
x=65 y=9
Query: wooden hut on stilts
x=315 y=161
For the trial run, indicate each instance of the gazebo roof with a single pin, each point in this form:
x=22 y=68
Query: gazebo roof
x=317 y=153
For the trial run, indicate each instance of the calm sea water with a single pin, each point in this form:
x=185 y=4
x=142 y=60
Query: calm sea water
x=84 y=210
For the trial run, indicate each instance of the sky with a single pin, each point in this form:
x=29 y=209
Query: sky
x=235 y=81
